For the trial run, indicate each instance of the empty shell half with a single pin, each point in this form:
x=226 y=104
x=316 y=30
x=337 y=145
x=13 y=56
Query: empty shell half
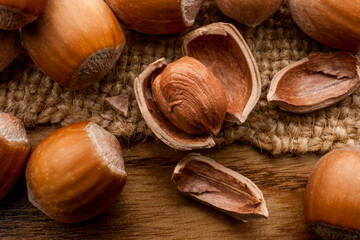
x=209 y=182
x=315 y=82
x=221 y=48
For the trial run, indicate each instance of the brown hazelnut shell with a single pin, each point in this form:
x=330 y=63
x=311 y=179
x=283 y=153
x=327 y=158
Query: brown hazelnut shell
x=14 y=14
x=249 y=12
x=76 y=172
x=315 y=82
x=76 y=43
x=14 y=151
x=156 y=16
x=221 y=48
x=331 y=22
x=332 y=195
x=10 y=47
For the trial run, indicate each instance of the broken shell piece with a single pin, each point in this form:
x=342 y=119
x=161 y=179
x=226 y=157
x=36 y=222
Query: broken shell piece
x=315 y=82
x=119 y=103
x=157 y=121
x=219 y=187
x=221 y=48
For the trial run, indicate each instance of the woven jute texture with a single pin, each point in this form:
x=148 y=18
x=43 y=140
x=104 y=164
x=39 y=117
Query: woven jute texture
x=33 y=97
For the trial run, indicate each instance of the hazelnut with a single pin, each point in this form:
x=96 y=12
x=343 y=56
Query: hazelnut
x=249 y=12
x=160 y=90
x=190 y=96
x=14 y=151
x=16 y=13
x=332 y=195
x=10 y=47
x=76 y=43
x=76 y=172
x=156 y=16
x=315 y=82
x=331 y=22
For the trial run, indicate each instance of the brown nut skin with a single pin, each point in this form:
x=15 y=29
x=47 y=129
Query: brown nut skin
x=332 y=197
x=190 y=96
x=16 y=13
x=76 y=43
x=76 y=172
x=331 y=22
x=10 y=47
x=249 y=12
x=14 y=151
x=156 y=16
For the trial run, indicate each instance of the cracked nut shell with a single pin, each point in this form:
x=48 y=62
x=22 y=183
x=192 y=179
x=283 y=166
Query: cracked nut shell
x=14 y=14
x=315 y=82
x=207 y=181
x=14 y=151
x=156 y=16
x=220 y=48
x=72 y=48
x=76 y=172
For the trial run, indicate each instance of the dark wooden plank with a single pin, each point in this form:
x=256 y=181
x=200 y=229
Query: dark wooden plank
x=150 y=207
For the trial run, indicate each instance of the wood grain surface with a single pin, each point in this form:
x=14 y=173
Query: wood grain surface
x=150 y=207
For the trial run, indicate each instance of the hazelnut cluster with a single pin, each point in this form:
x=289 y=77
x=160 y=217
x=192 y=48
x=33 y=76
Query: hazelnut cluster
x=78 y=171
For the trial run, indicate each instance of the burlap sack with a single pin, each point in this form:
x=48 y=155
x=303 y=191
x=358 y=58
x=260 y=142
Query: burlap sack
x=33 y=97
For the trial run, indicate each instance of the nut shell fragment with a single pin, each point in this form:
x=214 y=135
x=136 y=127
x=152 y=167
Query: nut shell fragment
x=119 y=103
x=315 y=82
x=157 y=121
x=219 y=187
x=221 y=48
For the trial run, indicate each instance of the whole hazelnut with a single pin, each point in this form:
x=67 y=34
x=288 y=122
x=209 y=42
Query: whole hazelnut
x=76 y=43
x=16 y=13
x=331 y=22
x=156 y=16
x=249 y=12
x=76 y=172
x=332 y=197
x=14 y=151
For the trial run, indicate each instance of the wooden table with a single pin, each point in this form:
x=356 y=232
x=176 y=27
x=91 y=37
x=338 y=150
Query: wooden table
x=150 y=207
